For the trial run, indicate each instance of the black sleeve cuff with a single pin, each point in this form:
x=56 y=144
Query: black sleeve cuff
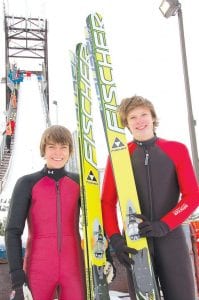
x=17 y=278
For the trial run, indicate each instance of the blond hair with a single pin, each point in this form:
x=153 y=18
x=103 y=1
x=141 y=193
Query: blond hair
x=133 y=102
x=56 y=134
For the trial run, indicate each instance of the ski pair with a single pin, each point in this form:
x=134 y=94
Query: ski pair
x=100 y=62
x=93 y=233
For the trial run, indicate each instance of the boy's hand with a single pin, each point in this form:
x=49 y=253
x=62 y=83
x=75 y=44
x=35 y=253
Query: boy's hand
x=152 y=228
x=21 y=293
x=122 y=251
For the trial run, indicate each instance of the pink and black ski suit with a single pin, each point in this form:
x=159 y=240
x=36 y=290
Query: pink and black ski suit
x=49 y=201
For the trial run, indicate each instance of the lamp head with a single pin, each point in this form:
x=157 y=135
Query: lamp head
x=169 y=7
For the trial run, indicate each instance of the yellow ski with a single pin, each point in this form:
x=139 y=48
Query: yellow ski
x=94 y=240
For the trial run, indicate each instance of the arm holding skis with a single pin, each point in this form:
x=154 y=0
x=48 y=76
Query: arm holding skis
x=109 y=202
x=151 y=228
x=189 y=187
x=122 y=251
x=110 y=220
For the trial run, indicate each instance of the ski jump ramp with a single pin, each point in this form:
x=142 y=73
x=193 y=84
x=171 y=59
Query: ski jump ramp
x=30 y=124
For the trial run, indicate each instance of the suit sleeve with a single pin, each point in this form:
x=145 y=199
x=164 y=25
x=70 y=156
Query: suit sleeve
x=189 y=189
x=109 y=202
x=17 y=215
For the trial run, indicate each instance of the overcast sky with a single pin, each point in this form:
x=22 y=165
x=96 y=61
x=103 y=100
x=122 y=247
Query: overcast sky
x=145 y=51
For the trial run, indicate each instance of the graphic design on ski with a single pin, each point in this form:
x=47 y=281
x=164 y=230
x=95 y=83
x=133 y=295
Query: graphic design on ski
x=100 y=60
x=94 y=240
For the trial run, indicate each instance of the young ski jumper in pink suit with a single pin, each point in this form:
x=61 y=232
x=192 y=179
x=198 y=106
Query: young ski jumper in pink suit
x=50 y=202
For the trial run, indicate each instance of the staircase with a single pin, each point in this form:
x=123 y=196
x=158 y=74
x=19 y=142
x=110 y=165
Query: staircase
x=4 y=163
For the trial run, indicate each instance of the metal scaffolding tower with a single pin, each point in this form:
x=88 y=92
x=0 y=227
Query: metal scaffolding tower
x=26 y=38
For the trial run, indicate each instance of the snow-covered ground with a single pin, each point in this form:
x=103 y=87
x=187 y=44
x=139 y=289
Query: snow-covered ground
x=118 y=295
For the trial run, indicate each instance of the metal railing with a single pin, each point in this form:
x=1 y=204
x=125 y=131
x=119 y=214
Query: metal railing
x=2 y=146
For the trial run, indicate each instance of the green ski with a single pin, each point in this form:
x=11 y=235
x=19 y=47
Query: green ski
x=142 y=271
x=94 y=240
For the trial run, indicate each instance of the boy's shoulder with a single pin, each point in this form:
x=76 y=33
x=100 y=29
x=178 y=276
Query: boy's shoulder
x=73 y=176
x=170 y=143
x=177 y=150
x=29 y=178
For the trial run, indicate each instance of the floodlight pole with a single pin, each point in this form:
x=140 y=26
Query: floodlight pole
x=191 y=121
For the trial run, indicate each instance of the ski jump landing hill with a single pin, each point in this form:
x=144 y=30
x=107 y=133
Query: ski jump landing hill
x=31 y=121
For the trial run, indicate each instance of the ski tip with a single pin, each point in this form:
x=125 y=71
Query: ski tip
x=93 y=16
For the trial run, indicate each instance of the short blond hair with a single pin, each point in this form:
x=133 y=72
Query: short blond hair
x=56 y=134
x=131 y=103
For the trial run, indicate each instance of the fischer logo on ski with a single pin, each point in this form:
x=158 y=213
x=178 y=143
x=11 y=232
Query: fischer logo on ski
x=91 y=178
x=117 y=144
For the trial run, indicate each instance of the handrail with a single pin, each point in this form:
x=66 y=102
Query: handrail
x=2 y=147
x=3 y=180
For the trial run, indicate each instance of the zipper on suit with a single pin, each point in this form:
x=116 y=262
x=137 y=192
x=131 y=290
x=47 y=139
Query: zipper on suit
x=146 y=163
x=58 y=217
x=146 y=160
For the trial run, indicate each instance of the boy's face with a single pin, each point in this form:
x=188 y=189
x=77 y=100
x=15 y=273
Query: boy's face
x=140 y=123
x=56 y=155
